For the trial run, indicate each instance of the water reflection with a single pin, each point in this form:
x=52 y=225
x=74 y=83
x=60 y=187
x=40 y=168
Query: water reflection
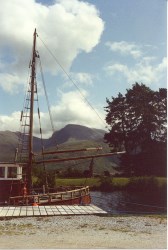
x=122 y=202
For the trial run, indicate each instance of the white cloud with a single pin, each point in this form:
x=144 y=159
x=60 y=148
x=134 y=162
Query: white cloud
x=10 y=122
x=10 y=82
x=83 y=78
x=70 y=110
x=79 y=79
x=66 y=27
x=73 y=110
x=142 y=72
x=125 y=48
x=145 y=69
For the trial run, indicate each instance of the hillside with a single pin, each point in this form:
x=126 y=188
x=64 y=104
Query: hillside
x=8 y=144
x=73 y=132
x=69 y=137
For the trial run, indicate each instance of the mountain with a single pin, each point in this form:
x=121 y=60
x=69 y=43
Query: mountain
x=74 y=132
x=8 y=144
x=70 y=133
x=70 y=137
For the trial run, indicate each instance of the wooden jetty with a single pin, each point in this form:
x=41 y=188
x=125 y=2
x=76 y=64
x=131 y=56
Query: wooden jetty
x=31 y=211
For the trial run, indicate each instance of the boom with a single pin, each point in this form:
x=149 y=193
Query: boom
x=78 y=158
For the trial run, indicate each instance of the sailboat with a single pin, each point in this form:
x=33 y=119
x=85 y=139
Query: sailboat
x=16 y=177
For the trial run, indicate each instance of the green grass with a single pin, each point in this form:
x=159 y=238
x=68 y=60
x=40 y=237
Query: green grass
x=116 y=183
x=161 y=180
x=120 y=182
x=78 y=182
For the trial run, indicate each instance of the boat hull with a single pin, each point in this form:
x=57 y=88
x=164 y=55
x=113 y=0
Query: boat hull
x=78 y=196
x=85 y=200
x=9 y=188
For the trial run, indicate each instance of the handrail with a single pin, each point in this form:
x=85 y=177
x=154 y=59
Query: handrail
x=50 y=194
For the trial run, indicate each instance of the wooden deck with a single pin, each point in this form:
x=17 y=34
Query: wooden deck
x=30 y=211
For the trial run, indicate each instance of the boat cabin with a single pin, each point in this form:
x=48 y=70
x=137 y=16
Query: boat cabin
x=10 y=171
x=10 y=181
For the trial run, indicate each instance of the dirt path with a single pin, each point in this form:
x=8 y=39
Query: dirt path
x=129 y=232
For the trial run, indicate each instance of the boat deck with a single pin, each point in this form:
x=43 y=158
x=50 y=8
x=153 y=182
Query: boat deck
x=30 y=211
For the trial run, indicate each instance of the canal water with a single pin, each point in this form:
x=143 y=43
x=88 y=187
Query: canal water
x=122 y=202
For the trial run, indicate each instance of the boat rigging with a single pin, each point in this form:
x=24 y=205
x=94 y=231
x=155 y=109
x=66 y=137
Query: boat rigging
x=16 y=178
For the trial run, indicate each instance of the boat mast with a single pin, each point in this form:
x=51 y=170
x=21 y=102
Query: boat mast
x=32 y=91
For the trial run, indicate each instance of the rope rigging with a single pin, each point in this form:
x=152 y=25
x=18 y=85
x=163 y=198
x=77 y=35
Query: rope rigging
x=74 y=83
x=25 y=123
x=42 y=145
x=45 y=91
x=70 y=78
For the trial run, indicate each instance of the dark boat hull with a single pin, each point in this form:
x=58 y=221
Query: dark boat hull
x=85 y=200
x=78 y=196
x=9 y=188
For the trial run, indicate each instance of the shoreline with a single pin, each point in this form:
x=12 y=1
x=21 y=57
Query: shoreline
x=84 y=231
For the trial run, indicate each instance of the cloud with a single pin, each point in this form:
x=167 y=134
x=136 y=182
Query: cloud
x=66 y=27
x=70 y=110
x=79 y=79
x=10 y=122
x=125 y=48
x=73 y=110
x=143 y=71
x=83 y=78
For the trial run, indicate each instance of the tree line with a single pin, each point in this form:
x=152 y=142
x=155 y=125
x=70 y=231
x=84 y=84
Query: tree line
x=138 y=124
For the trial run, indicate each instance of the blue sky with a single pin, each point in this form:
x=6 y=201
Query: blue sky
x=104 y=46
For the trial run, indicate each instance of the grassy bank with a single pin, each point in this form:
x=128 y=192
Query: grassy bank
x=118 y=183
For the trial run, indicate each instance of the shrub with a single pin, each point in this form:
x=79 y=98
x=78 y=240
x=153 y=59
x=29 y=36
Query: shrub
x=106 y=183
x=145 y=184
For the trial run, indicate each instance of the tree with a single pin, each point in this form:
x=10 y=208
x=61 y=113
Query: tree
x=118 y=121
x=138 y=123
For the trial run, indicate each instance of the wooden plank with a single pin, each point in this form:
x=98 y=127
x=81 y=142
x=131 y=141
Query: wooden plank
x=58 y=207
x=49 y=211
x=16 y=212
x=77 y=212
x=30 y=211
x=48 y=207
x=42 y=207
x=24 y=211
x=97 y=209
x=63 y=212
x=37 y=213
x=102 y=212
x=4 y=212
x=70 y=206
x=56 y=212
x=43 y=212
x=79 y=208
x=71 y=211
x=35 y=208
x=10 y=211
x=54 y=208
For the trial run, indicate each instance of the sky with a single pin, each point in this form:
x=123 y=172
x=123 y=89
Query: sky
x=90 y=50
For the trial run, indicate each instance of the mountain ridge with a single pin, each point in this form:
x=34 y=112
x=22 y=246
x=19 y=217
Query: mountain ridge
x=75 y=132
x=70 y=133
x=72 y=136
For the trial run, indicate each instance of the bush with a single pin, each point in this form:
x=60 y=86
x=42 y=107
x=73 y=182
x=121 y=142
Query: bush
x=106 y=184
x=145 y=184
